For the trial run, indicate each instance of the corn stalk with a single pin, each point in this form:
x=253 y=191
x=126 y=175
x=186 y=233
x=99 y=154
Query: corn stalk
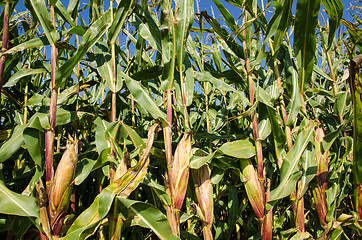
x=356 y=92
x=5 y=39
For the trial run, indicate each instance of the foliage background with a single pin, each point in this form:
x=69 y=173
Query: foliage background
x=260 y=90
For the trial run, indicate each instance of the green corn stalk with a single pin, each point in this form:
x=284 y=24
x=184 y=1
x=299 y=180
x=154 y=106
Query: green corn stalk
x=62 y=186
x=356 y=92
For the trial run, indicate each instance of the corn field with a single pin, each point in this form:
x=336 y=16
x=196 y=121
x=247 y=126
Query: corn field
x=156 y=119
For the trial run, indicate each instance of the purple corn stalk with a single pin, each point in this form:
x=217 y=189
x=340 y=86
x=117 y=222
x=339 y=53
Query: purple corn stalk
x=5 y=39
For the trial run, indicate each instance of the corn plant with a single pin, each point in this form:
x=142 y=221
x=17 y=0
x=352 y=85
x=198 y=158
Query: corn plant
x=162 y=119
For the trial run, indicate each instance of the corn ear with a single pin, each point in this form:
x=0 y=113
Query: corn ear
x=319 y=192
x=204 y=195
x=253 y=187
x=133 y=176
x=62 y=185
x=179 y=173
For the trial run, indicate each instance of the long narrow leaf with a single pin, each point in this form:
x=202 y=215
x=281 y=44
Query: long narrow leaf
x=92 y=216
x=143 y=98
x=150 y=217
x=23 y=73
x=91 y=37
x=288 y=176
x=17 y=204
x=335 y=13
x=305 y=40
x=41 y=13
x=123 y=10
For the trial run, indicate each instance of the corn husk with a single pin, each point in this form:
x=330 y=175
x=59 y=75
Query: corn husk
x=253 y=188
x=204 y=195
x=179 y=173
x=62 y=185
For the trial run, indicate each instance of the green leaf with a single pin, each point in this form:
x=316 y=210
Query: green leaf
x=101 y=139
x=33 y=142
x=281 y=20
x=148 y=216
x=329 y=139
x=12 y=144
x=335 y=13
x=84 y=168
x=94 y=33
x=16 y=204
x=32 y=43
x=316 y=69
x=230 y=21
x=168 y=42
x=355 y=34
x=239 y=149
x=288 y=176
x=197 y=161
x=42 y=14
x=223 y=34
x=79 y=30
x=89 y=219
x=279 y=136
x=147 y=28
x=184 y=17
x=104 y=66
x=301 y=236
x=122 y=11
x=293 y=87
x=356 y=93
x=135 y=138
x=233 y=208
x=59 y=7
x=305 y=40
x=143 y=98
x=308 y=165
x=158 y=189
x=219 y=84
x=22 y=73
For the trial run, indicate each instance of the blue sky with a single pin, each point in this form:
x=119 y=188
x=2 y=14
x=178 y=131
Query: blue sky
x=207 y=5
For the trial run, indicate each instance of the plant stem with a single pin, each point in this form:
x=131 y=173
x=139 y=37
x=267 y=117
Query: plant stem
x=266 y=233
x=50 y=134
x=5 y=40
x=356 y=92
x=282 y=103
x=172 y=215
